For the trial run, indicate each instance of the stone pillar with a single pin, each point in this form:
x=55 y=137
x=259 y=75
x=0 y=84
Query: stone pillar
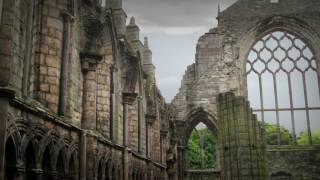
x=89 y=63
x=114 y=105
x=83 y=156
x=28 y=51
x=39 y=173
x=128 y=99
x=149 y=121
x=20 y=173
x=163 y=136
x=181 y=162
x=67 y=22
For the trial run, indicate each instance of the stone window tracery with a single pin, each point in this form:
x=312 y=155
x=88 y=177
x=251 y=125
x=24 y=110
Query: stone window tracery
x=283 y=87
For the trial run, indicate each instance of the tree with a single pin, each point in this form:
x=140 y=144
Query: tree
x=272 y=135
x=304 y=137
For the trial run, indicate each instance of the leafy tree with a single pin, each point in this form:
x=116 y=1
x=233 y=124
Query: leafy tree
x=304 y=137
x=194 y=150
x=272 y=134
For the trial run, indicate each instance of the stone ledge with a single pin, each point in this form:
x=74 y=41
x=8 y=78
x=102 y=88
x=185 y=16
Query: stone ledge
x=272 y=148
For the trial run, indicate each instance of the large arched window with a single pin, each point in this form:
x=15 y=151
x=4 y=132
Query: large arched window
x=283 y=88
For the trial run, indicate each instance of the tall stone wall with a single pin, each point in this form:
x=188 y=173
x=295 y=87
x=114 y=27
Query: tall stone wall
x=75 y=94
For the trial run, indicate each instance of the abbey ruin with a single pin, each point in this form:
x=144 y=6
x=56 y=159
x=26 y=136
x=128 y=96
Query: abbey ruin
x=79 y=100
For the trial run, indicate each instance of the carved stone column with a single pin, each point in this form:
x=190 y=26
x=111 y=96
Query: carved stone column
x=67 y=22
x=149 y=121
x=38 y=173
x=181 y=161
x=128 y=99
x=83 y=155
x=163 y=135
x=89 y=63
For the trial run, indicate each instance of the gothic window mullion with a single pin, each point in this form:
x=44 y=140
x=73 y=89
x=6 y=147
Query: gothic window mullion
x=275 y=58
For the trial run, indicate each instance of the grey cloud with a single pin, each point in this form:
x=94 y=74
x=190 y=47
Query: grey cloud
x=175 y=13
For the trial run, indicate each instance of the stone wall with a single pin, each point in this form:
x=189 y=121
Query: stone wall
x=242 y=144
x=74 y=83
x=221 y=53
x=295 y=162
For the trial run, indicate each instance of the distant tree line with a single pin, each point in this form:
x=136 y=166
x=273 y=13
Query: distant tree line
x=286 y=137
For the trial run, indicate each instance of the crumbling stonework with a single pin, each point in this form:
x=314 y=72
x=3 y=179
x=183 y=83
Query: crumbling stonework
x=220 y=66
x=77 y=89
x=78 y=94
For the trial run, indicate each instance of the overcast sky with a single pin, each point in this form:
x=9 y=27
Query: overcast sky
x=173 y=28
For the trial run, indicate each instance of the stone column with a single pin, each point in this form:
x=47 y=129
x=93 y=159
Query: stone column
x=28 y=51
x=67 y=22
x=89 y=63
x=83 y=156
x=149 y=121
x=38 y=172
x=181 y=161
x=20 y=174
x=128 y=99
x=163 y=135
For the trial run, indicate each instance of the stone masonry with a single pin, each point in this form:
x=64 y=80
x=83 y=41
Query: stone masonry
x=78 y=94
x=79 y=100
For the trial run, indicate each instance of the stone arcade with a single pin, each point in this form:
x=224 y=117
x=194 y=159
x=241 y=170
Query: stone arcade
x=78 y=94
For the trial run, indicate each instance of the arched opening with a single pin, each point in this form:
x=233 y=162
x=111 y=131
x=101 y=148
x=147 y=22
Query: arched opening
x=114 y=174
x=283 y=88
x=10 y=160
x=201 y=148
x=46 y=165
x=133 y=175
x=60 y=166
x=107 y=171
x=30 y=162
x=73 y=168
x=100 y=172
x=119 y=172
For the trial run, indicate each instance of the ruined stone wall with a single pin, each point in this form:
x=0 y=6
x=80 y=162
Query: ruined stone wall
x=222 y=52
x=296 y=162
x=242 y=148
x=72 y=81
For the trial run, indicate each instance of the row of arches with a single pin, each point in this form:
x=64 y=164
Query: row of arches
x=39 y=153
x=108 y=170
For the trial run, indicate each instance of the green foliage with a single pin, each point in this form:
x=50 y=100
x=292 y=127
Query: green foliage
x=272 y=135
x=304 y=137
x=194 y=157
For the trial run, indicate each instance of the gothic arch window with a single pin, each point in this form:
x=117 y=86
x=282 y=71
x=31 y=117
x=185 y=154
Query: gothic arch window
x=30 y=162
x=10 y=160
x=46 y=165
x=73 y=173
x=283 y=88
x=60 y=166
x=201 y=152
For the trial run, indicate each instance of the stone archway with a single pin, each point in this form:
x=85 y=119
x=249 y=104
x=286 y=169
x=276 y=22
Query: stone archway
x=184 y=129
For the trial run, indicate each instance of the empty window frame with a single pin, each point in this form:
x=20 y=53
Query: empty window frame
x=283 y=88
